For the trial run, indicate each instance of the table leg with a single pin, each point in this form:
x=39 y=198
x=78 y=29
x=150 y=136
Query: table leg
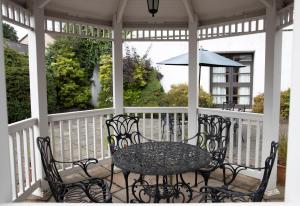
x=157 y=193
x=126 y=174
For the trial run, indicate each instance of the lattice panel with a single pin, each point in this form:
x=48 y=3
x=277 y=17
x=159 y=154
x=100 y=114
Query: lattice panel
x=233 y=28
x=16 y=14
x=72 y=28
x=286 y=16
x=180 y=34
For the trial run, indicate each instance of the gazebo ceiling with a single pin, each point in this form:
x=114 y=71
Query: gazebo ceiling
x=170 y=12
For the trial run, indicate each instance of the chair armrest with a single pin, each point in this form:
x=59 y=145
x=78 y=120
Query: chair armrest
x=234 y=170
x=186 y=140
x=149 y=140
x=83 y=164
x=220 y=194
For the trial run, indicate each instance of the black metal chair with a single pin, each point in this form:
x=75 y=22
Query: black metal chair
x=230 y=172
x=87 y=190
x=212 y=136
x=123 y=130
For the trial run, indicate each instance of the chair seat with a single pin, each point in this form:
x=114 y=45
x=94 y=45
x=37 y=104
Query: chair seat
x=99 y=194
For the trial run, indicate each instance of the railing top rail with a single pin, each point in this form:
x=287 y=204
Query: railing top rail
x=232 y=114
x=156 y=109
x=20 y=125
x=79 y=114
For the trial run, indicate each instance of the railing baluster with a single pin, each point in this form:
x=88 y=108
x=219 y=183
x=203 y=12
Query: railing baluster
x=101 y=137
x=61 y=143
x=108 y=148
x=248 y=143
x=70 y=141
x=239 y=155
x=52 y=136
x=19 y=160
x=151 y=125
x=32 y=157
x=175 y=127
x=144 y=124
x=94 y=137
x=26 y=162
x=231 y=139
x=78 y=138
x=12 y=167
x=257 y=141
x=86 y=137
x=182 y=126
x=167 y=127
x=159 y=127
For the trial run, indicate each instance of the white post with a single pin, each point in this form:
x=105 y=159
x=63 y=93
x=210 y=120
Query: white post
x=293 y=166
x=38 y=85
x=193 y=80
x=117 y=66
x=272 y=91
x=5 y=186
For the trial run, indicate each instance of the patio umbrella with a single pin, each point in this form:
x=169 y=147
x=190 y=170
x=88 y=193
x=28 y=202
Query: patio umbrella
x=205 y=58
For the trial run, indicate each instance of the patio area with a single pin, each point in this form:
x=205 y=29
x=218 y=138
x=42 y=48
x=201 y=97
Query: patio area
x=243 y=184
x=83 y=134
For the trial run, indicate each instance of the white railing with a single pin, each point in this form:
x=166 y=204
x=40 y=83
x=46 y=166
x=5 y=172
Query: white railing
x=161 y=123
x=22 y=157
x=286 y=16
x=78 y=135
x=16 y=14
x=245 y=137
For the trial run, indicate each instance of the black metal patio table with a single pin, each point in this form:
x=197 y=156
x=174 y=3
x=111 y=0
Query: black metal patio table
x=160 y=159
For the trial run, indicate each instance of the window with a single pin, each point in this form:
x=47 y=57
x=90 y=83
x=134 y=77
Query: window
x=233 y=84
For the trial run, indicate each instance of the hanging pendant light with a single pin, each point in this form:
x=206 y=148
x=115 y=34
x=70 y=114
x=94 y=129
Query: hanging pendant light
x=152 y=6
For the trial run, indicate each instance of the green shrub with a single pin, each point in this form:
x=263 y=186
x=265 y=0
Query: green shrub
x=282 y=150
x=178 y=96
x=258 y=106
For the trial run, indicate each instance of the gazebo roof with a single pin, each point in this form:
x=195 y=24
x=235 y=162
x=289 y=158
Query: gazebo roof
x=171 y=12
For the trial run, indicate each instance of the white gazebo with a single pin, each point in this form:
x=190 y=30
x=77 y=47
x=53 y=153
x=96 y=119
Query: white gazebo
x=129 y=20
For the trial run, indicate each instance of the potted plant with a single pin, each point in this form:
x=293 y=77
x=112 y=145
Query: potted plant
x=282 y=152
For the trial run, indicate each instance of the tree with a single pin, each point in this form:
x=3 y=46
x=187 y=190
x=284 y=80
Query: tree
x=258 y=106
x=141 y=81
x=9 y=32
x=18 y=89
x=178 y=97
x=71 y=62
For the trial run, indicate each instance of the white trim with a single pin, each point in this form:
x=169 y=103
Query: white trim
x=24 y=124
x=189 y=9
x=121 y=9
x=44 y=3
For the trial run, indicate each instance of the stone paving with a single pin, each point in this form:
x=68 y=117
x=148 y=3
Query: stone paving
x=243 y=183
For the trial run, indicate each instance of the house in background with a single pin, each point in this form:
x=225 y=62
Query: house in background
x=241 y=85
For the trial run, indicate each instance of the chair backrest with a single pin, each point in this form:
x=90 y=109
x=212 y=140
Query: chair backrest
x=269 y=162
x=123 y=130
x=50 y=169
x=213 y=136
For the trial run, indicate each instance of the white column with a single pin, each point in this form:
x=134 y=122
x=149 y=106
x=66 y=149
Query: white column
x=38 y=85
x=293 y=166
x=5 y=177
x=192 y=80
x=272 y=91
x=117 y=66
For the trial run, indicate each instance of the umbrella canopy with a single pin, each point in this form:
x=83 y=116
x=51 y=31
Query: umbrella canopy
x=206 y=58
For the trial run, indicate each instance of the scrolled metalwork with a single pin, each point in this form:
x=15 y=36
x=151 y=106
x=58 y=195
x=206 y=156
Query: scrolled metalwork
x=230 y=172
x=88 y=190
x=144 y=192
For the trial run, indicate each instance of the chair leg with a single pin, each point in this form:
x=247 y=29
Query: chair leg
x=196 y=179
x=111 y=175
x=205 y=176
